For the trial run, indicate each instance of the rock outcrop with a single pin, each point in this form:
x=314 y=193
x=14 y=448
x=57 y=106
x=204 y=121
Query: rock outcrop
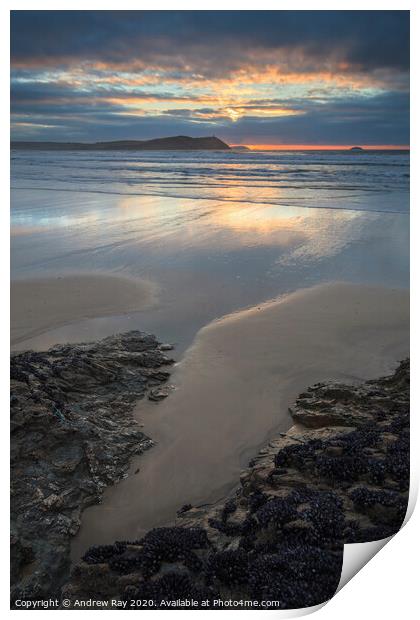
x=340 y=475
x=72 y=434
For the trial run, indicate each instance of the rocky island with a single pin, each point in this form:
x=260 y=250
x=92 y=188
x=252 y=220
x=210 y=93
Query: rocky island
x=174 y=143
x=340 y=475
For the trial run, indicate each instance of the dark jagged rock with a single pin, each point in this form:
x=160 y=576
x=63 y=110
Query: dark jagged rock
x=280 y=536
x=73 y=434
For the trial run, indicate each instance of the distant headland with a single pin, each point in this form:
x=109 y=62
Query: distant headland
x=356 y=148
x=181 y=143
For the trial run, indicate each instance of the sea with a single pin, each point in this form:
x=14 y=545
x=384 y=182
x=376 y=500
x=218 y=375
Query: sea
x=218 y=231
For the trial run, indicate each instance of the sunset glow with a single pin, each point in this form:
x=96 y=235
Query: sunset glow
x=253 y=78
x=324 y=147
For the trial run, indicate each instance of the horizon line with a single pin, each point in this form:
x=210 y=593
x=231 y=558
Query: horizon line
x=251 y=146
x=324 y=147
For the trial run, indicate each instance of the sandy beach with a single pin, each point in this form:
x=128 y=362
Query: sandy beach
x=41 y=304
x=233 y=389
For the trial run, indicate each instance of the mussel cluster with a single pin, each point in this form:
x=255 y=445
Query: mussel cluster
x=127 y=563
x=221 y=524
x=277 y=512
x=297 y=455
x=100 y=554
x=171 y=544
x=165 y=544
x=341 y=468
x=230 y=567
x=398 y=462
x=284 y=576
x=366 y=499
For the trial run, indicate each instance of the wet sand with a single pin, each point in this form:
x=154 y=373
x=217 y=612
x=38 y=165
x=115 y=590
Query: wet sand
x=233 y=389
x=39 y=305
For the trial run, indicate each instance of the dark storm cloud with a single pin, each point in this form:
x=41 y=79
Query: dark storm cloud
x=368 y=39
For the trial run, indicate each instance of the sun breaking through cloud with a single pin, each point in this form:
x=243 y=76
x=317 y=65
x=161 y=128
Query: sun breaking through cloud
x=250 y=77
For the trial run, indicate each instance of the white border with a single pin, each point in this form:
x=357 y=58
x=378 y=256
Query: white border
x=387 y=586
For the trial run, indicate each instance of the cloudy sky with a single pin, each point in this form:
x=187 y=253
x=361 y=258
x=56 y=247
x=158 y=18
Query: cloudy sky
x=249 y=77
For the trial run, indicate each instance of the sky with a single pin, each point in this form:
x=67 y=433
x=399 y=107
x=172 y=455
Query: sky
x=249 y=77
